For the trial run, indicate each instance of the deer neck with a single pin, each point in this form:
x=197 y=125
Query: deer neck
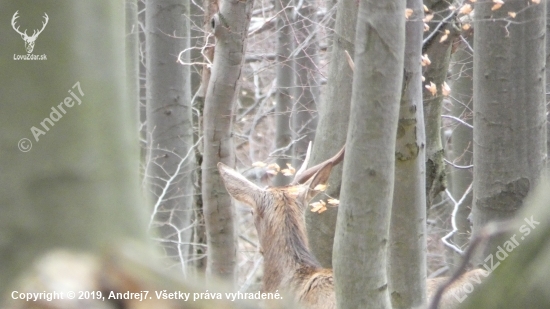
x=285 y=248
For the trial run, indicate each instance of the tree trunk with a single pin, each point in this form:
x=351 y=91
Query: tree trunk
x=132 y=56
x=360 y=246
x=285 y=82
x=462 y=139
x=169 y=125
x=439 y=53
x=210 y=8
x=77 y=185
x=547 y=76
x=230 y=28
x=306 y=90
x=510 y=121
x=407 y=255
x=332 y=128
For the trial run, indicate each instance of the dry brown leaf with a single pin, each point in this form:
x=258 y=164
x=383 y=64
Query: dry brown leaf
x=444 y=38
x=333 y=201
x=432 y=88
x=512 y=14
x=496 y=7
x=320 y=187
x=425 y=61
x=272 y=172
x=466 y=26
x=274 y=166
x=316 y=206
x=287 y=172
x=322 y=209
x=291 y=168
x=426 y=9
x=423 y=78
x=426 y=27
x=446 y=90
x=408 y=13
x=465 y=9
x=259 y=164
x=428 y=17
x=535 y=1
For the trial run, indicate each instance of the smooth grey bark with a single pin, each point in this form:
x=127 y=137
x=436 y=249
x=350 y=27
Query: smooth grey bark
x=330 y=25
x=197 y=30
x=230 y=28
x=77 y=188
x=306 y=90
x=439 y=54
x=362 y=230
x=462 y=137
x=204 y=37
x=285 y=82
x=332 y=128
x=132 y=55
x=169 y=125
x=509 y=110
x=407 y=249
x=547 y=76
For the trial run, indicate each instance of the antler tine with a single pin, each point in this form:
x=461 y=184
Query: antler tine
x=304 y=165
x=305 y=175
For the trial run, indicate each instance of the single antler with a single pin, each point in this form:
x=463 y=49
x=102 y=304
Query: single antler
x=44 y=23
x=15 y=16
x=303 y=175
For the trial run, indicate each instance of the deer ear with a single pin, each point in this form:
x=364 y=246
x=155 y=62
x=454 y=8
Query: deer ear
x=318 y=180
x=238 y=186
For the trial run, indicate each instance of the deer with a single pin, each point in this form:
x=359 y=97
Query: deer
x=29 y=40
x=289 y=265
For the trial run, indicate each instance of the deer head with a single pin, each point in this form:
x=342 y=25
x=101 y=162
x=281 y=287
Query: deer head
x=279 y=217
x=29 y=40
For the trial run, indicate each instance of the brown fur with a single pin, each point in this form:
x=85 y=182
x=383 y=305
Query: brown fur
x=289 y=266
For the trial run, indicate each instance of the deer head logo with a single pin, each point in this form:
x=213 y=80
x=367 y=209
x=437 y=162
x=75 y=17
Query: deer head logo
x=29 y=40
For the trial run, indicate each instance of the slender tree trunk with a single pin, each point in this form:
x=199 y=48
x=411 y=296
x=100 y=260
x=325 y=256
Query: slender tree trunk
x=407 y=255
x=510 y=120
x=169 y=125
x=362 y=230
x=439 y=53
x=462 y=138
x=332 y=128
x=77 y=186
x=306 y=90
x=206 y=34
x=230 y=28
x=285 y=81
x=547 y=76
x=132 y=56
x=329 y=26
x=197 y=41
x=142 y=93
